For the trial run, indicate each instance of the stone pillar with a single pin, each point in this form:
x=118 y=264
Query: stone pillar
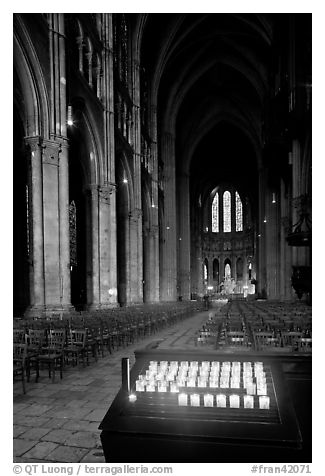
x=272 y=252
x=50 y=279
x=134 y=242
x=286 y=290
x=184 y=237
x=107 y=288
x=37 y=296
x=93 y=288
x=56 y=228
x=169 y=245
x=154 y=255
x=64 y=237
x=154 y=268
x=261 y=236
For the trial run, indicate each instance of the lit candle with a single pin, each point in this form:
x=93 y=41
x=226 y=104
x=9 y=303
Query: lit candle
x=202 y=382
x=234 y=401
x=132 y=398
x=194 y=363
x=180 y=382
x=248 y=401
x=251 y=389
x=235 y=383
x=139 y=385
x=262 y=389
x=170 y=377
x=264 y=402
x=150 y=387
x=221 y=401
x=235 y=365
x=226 y=366
x=260 y=380
x=215 y=365
x=182 y=399
x=258 y=366
x=208 y=400
x=247 y=381
x=162 y=386
x=224 y=382
x=174 y=387
x=213 y=382
x=191 y=382
x=184 y=364
x=195 y=400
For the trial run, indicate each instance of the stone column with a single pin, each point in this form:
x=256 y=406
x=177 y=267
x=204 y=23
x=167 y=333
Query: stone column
x=261 y=237
x=107 y=289
x=154 y=257
x=93 y=289
x=169 y=246
x=184 y=236
x=272 y=255
x=134 y=242
x=286 y=290
x=37 y=296
x=64 y=238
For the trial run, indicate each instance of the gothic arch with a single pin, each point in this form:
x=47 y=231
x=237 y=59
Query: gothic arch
x=36 y=117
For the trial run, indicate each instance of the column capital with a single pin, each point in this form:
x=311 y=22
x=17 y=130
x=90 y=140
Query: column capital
x=105 y=191
x=135 y=214
x=51 y=152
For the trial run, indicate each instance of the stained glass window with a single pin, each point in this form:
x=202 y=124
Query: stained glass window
x=227 y=212
x=215 y=213
x=205 y=271
x=239 y=213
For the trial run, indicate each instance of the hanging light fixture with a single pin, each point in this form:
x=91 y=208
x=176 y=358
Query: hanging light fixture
x=273 y=198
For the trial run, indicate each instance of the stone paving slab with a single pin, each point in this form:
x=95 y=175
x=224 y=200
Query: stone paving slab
x=18 y=430
x=35 y=433
x=58 y=435
x=81 y=425
x=20 y=446
x=67 y=454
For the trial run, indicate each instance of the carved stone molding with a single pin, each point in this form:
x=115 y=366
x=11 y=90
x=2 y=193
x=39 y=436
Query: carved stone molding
x=104 y=193
x=135 y=215
x=51 y=152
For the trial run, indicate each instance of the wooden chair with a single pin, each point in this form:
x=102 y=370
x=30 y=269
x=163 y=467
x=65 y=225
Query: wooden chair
x=53 y=354
x=75 y=347
x=236 y=338
x=36 y=340
x=265 y=340
x=292 y=340
x=19 y=362
x=19 y=336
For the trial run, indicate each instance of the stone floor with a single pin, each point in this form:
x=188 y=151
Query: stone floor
x=58 y=422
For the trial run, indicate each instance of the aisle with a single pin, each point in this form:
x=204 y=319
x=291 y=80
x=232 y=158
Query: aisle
x=58 y=422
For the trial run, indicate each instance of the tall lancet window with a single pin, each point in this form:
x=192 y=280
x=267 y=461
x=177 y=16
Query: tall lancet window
x=226 y=212
x=239 y=213
x=215 y=214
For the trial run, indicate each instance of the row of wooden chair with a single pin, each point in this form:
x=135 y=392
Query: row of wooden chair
x=54 y=343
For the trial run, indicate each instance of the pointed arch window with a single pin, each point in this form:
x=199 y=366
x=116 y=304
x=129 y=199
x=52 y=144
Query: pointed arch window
x=227 y=212
x=239 y=213
x=215 y=214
